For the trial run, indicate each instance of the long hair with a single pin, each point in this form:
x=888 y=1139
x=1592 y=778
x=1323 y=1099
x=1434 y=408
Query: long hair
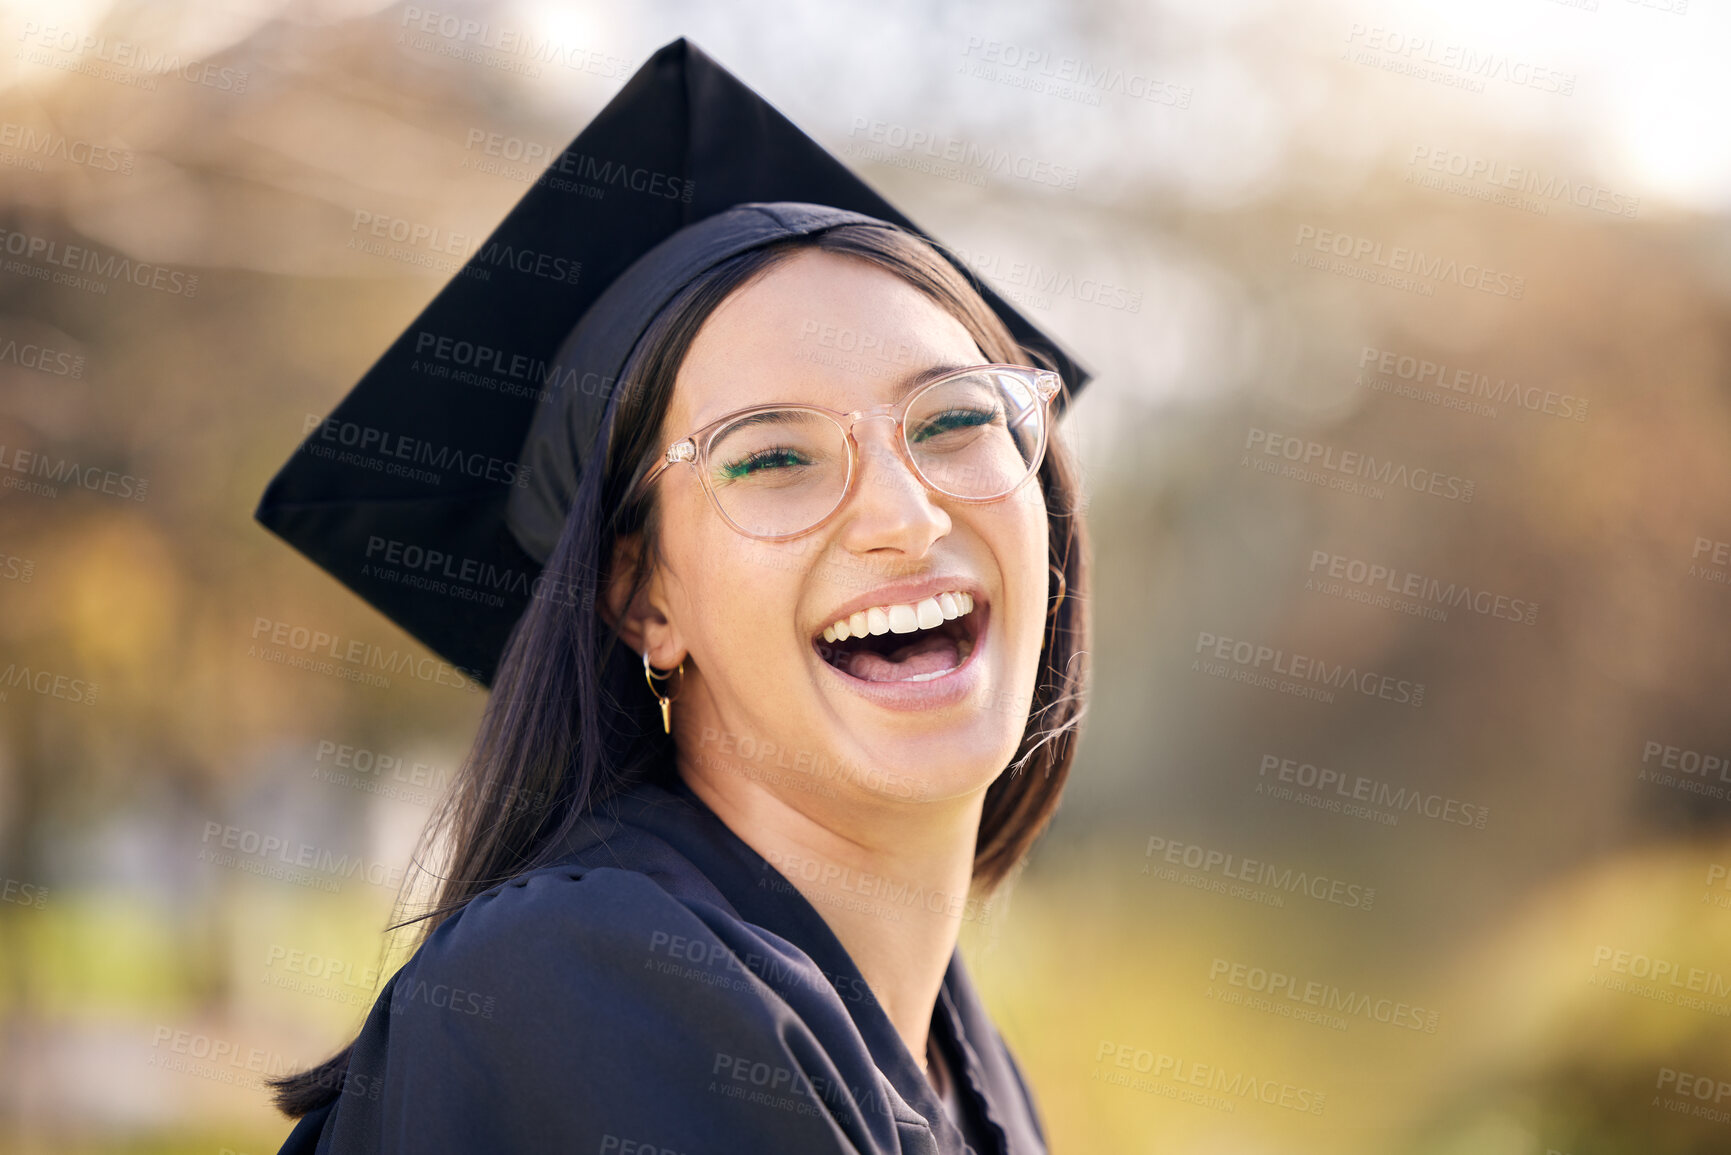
x=569 y=721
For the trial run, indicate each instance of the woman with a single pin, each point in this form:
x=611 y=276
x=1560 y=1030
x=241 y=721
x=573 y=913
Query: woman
x=720 y=912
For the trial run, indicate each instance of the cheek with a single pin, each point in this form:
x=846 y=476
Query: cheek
x=743 y=597
x=1023 y=554
x=1027 y=522
x=1012 y=534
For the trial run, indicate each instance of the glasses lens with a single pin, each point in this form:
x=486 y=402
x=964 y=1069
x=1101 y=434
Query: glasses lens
x=778 y=472
x=782 y=471
x=978 y=435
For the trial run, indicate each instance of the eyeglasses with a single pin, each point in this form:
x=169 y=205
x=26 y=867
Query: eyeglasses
x=779 y=471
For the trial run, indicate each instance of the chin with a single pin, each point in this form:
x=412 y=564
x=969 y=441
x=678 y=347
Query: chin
x=911 y=756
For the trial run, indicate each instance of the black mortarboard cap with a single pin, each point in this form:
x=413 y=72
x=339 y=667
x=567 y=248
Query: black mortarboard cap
x=405 y=493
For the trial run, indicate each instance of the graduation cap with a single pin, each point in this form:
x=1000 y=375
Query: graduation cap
x=417 y=492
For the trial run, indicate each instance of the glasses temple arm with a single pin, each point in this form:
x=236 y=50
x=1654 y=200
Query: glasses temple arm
x=681 y=450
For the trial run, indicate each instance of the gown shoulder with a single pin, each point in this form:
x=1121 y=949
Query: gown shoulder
x=590 y=1008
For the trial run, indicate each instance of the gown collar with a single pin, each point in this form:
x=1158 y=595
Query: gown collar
x=758 y=893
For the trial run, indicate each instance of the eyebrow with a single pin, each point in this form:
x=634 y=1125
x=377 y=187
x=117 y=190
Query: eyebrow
x=772 y=417
x=909 y=384
x=902 y=388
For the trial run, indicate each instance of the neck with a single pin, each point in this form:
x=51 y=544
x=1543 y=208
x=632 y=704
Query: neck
x=890 y=878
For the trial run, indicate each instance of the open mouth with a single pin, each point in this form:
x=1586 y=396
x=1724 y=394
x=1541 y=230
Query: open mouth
x=911 y=642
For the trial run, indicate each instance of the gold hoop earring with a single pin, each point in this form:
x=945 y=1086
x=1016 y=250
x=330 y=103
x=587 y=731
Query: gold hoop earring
x=1063 y=588
x=650 y=674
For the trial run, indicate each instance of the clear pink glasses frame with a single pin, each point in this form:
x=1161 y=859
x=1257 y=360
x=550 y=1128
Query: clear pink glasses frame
x=693 y=448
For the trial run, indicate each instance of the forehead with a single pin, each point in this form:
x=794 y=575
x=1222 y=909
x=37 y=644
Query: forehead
x=817 y=328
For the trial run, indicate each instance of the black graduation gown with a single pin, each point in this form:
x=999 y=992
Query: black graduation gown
x=661 y=990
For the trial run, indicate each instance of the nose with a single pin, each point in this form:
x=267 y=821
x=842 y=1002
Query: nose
x=890 y=507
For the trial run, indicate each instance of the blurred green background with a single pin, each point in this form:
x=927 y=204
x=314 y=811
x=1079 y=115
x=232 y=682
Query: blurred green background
x=1266 y=226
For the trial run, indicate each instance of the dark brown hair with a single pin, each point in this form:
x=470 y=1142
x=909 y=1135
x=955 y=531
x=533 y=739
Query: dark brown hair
x=569 y=721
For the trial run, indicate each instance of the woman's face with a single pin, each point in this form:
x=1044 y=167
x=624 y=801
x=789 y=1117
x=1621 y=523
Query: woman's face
x=759 y=696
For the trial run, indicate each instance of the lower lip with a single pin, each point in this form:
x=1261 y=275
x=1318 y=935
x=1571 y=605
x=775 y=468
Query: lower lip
x=934 y=693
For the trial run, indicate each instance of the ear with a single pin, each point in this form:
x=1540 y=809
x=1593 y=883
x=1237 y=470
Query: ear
x=641 y=621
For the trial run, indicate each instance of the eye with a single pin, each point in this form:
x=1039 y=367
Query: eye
x=779 y=457
x=952 y=419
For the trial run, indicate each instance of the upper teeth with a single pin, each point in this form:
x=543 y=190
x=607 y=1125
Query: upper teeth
x=901 y=619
